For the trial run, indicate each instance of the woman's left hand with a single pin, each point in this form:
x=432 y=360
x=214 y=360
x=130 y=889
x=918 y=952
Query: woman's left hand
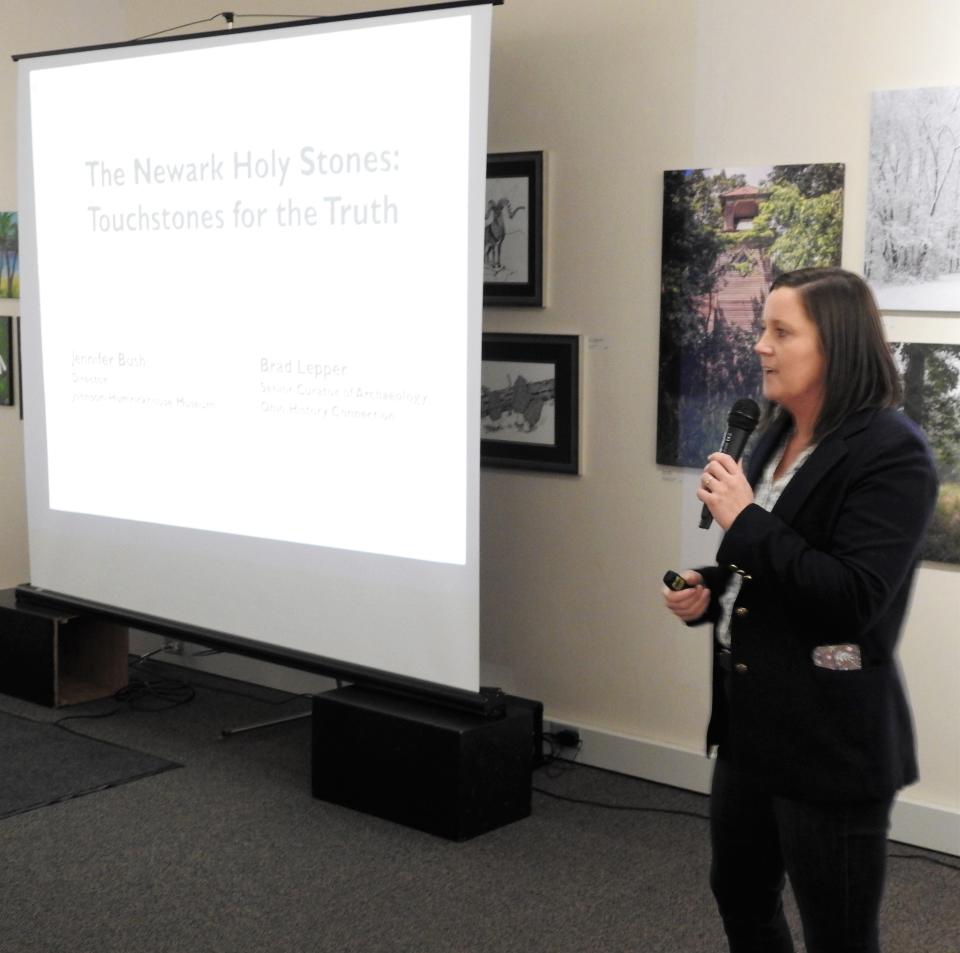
x=724 y=488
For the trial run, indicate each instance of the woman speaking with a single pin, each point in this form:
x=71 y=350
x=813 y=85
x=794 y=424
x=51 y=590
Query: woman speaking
x=822 y=535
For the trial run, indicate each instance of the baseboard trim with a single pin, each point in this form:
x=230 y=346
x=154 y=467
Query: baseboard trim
x=925 y=825
x=652 y=761
x=920 y=825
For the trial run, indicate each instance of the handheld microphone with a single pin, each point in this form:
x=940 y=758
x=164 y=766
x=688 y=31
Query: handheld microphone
x=743 y=419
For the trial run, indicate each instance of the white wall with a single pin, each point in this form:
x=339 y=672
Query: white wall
x=615 y=92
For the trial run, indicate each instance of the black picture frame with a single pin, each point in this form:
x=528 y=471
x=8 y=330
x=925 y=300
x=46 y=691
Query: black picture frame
x=6 y=361
x=530 y=402
x=19 y=368
x=513 y=230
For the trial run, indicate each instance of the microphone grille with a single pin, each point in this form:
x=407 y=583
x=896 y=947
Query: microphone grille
x=744 y=414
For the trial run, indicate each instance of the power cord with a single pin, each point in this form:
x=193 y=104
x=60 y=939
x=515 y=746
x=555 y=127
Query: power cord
x=556 y=766
x=571 y=765
x=621 y=807
x=155 y=693
x=926 y=860
x=553 y=763
x=59 y=723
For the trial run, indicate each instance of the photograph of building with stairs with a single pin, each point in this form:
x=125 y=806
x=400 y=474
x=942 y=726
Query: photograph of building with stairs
x=727 y=233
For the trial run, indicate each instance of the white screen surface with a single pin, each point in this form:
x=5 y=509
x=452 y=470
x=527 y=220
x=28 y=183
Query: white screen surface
x=251 y=323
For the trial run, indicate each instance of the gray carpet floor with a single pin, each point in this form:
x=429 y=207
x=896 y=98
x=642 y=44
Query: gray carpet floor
x=232 y=853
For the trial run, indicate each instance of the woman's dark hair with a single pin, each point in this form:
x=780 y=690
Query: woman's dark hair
x=860 y=370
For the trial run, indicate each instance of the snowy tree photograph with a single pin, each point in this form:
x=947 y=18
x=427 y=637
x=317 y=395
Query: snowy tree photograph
x=912 y=257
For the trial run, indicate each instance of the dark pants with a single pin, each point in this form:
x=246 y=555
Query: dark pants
x=834 y=854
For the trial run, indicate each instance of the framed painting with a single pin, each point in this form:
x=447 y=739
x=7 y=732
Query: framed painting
x=530 y=402
x=513 y=230
x=9 y=256
x=6 y=360
x=727 y=234
x=20 y=369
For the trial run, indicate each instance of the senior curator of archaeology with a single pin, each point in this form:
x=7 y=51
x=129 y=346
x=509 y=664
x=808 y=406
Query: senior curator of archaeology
x=813 y=576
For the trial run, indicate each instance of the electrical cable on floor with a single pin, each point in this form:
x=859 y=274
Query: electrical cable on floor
x=289 y=696
x=140 y=694
x=155 y=694
x=927 y=860
x=621 y=807
x=553 y=764
x=59 y=723
x=553 y=760
x=570 y=764
x=161 y=693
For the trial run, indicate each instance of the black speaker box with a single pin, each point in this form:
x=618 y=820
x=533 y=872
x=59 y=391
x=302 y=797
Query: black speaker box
x=536 y=713
x=439 y=770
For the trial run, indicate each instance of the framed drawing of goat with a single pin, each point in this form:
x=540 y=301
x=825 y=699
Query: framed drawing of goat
x=513 y=230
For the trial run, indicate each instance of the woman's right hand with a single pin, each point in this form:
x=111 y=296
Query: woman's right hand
x=690 y=604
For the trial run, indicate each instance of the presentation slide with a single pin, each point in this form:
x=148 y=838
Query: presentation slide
x=272 y=288
x=257 y=291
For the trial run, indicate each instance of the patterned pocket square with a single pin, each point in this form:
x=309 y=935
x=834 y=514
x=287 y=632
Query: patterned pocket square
x=839 y=658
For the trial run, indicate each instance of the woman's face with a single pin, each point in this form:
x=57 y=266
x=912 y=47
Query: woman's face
x=791 y=356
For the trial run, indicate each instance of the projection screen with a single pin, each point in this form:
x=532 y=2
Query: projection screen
x=251 y=320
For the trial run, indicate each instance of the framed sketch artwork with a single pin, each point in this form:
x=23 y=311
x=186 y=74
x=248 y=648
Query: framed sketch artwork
x=513 y=230
x=530 y=402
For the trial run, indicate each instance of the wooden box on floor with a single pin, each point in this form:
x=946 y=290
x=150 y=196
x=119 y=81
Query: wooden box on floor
x=53 y=658
x=446 y=772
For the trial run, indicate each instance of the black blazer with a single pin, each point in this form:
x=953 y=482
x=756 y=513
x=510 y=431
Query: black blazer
x=832 y=563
